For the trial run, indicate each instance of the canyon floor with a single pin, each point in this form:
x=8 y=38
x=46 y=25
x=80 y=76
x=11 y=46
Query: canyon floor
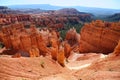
x=89 y=66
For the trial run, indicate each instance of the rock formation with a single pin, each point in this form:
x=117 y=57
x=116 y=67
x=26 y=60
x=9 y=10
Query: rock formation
x=12 y=18
x=1 y=36
x=34 y=52
x=41 y=45
x=58 y=19
x=72 y=37
x=54 y=48
x=26 y=42
x=117 y=50
x=54 y=53
x=30 y=41
x=61 y=56
x=67 y=49
x=99 y=37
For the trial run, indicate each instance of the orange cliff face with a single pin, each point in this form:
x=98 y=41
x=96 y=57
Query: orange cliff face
x=117 y=50
x=99 y=37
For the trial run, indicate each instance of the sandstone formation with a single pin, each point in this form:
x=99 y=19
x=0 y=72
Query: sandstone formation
x=73 y=39
x=61 y=56
x=1 y=36
x=12 y=18
x=67 y=49
x=34 y=52
x=16 y=37
x=54 y=48
x=117 y=50
x=30 y=42
x=99 y=37
x=54 y=53
x=33 y=43
x=41 y=45
x=58 y=19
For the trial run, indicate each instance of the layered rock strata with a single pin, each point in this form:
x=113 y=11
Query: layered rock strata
x=99 y=37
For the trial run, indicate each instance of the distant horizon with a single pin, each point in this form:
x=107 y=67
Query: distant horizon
x=57 y=6
x=109 y=4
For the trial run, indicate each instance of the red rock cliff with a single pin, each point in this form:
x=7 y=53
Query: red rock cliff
x=99 y=37
x=117 y=50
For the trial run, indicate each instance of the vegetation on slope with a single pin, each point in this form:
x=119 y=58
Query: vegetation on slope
x=68 y=26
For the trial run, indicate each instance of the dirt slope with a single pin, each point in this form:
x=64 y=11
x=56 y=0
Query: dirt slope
x=107 y=69
x=89 y=66
x=28 y=68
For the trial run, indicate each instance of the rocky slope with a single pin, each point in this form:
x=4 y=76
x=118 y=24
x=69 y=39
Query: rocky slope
x=99 y=37
x=28 y=68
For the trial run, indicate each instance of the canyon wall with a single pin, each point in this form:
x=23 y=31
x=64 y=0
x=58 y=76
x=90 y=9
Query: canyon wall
x=117 y=50
x=99 y=37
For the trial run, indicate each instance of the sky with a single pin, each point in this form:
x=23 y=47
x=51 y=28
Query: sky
x=113 y=4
